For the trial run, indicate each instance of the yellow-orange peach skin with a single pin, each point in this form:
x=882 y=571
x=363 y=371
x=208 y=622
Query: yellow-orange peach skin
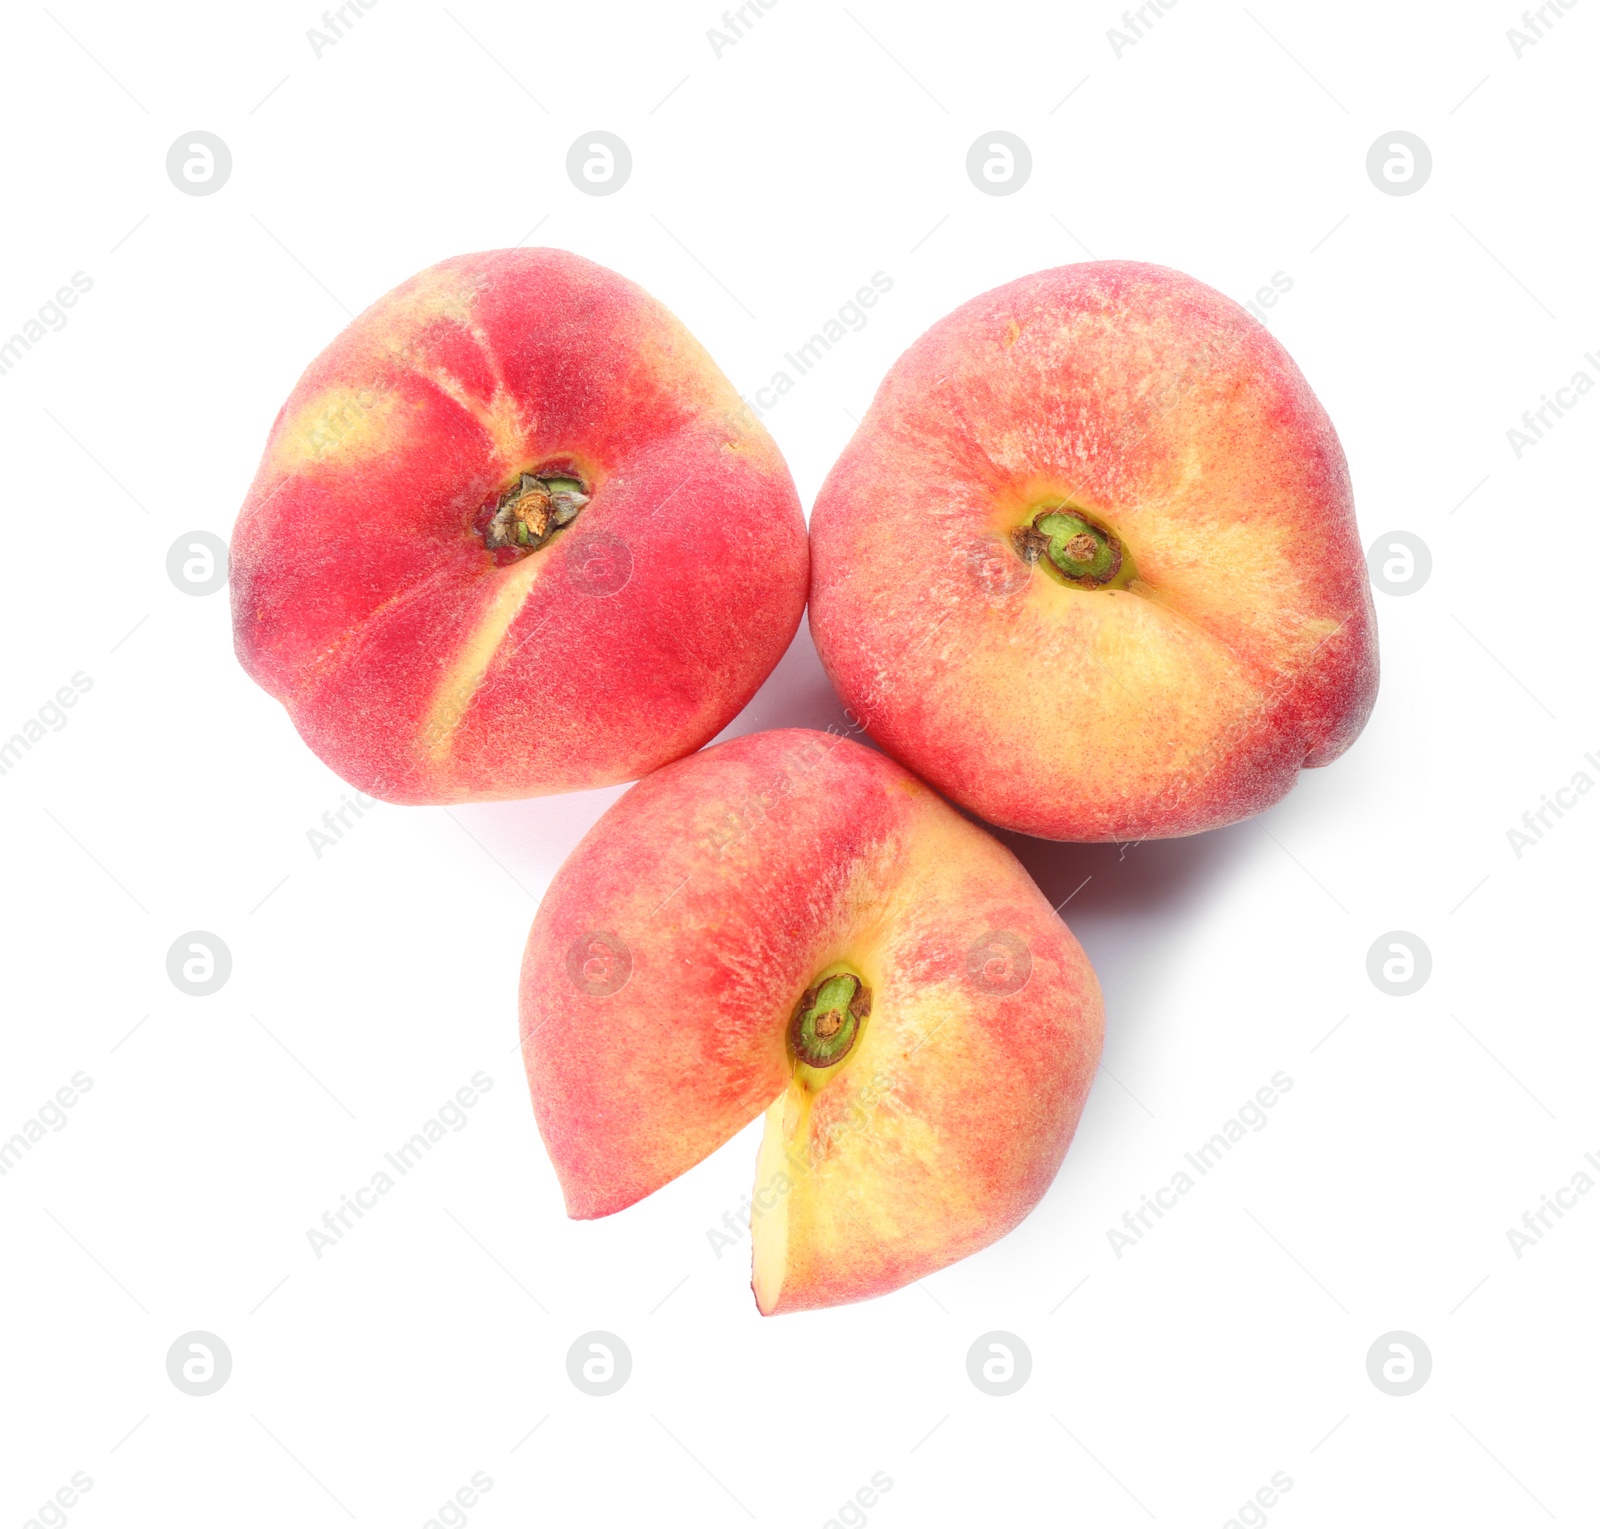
x=1236 y=646
x=426 y=661
x=664 y=970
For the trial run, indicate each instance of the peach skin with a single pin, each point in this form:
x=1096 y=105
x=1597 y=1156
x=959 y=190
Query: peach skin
x=513 y=534
x=791 y=923
x=1090 y=564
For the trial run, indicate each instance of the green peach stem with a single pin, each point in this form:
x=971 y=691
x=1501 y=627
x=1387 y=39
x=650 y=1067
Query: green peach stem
x=1082 y=552
x=828 y=1020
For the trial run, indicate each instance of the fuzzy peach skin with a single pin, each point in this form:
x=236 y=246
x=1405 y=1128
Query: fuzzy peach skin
x=671 y=952
x=423 y=666
x=1243 y=649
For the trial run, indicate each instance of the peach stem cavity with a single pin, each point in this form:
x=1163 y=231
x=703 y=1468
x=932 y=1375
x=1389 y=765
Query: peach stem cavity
x=1067 y=542
x=523 y=518
x=827 y=1022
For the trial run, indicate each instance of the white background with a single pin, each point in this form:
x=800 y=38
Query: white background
x=368 y=985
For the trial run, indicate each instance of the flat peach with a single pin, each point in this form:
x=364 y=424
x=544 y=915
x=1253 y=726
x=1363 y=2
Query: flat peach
x=514 y=533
